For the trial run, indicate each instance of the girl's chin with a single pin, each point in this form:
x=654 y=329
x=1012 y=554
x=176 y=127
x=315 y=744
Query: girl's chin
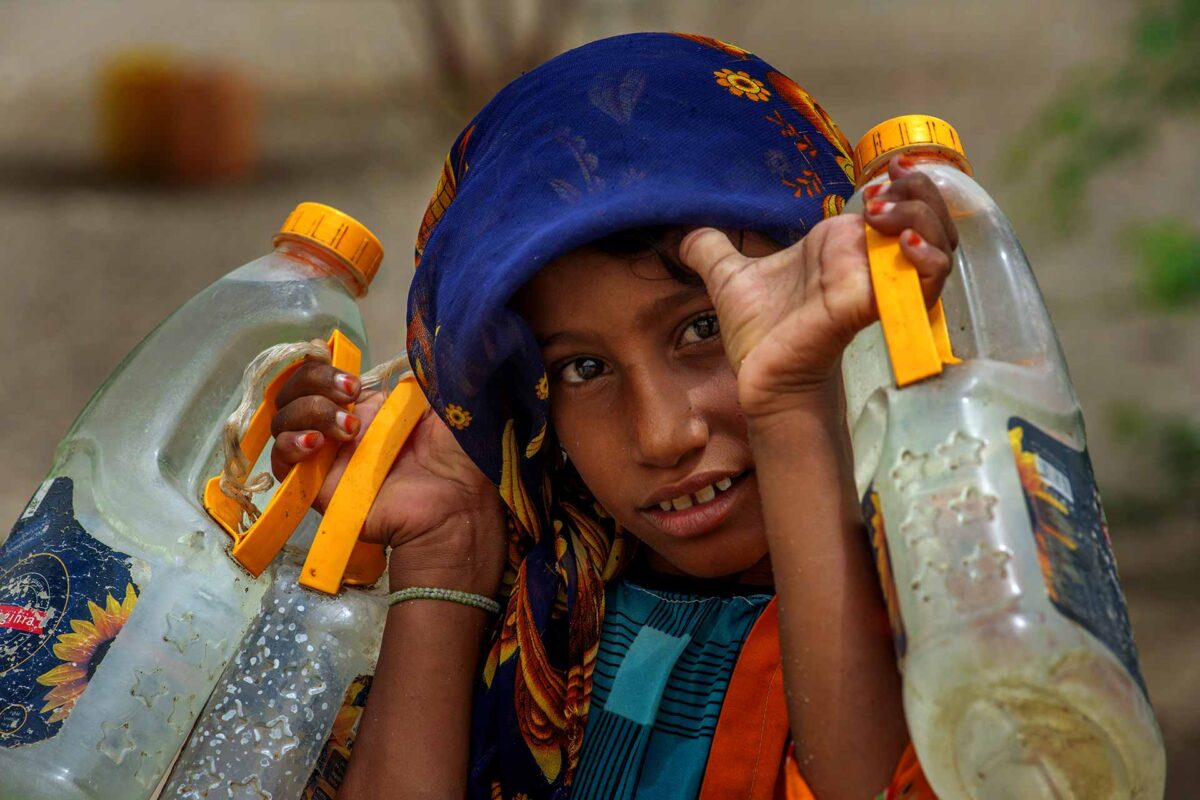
x=721 y=538
x=719 y=559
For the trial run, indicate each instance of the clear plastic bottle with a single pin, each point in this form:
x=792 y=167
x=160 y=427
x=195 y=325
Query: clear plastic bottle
x=119 y=606
x=284 y=714
x=1021 y=678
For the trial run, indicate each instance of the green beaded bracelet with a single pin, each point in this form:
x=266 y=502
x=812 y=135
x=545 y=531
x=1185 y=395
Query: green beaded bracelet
x=453 y=595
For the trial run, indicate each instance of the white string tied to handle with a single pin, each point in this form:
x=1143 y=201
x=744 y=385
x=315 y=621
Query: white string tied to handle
x=236 y=482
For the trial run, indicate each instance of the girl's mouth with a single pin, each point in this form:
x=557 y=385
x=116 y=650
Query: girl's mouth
x=703 y=510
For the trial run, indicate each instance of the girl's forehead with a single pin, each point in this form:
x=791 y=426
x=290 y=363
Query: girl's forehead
x=592 y=267
x=595 y=266
x=588 y=283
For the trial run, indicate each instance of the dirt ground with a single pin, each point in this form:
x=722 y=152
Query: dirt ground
x=93 y=264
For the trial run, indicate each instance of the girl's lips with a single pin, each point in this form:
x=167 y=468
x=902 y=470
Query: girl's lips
x=700 y=519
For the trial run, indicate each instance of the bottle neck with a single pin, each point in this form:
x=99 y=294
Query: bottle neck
x=921 y=153
x=323 y=261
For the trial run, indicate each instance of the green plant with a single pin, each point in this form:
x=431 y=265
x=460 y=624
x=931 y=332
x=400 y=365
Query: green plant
x=1168 y=256
x=1100 y=118
x=1174 y=441
x=1110 y=112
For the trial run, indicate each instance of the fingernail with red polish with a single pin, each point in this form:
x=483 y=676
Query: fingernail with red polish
x=875 y=191
x=309 y=440
x=913 y=239
x=347 y=383
x=906 y=162
x=348 y=422
x=877 y=207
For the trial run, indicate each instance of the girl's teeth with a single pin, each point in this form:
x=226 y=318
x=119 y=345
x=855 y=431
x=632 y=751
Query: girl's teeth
x=705 y=495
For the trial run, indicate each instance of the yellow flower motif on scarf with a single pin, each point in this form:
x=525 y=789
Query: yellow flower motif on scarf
x=443 y=194
x=833 y=205
x=81 y=651
x=535 y=444
x=847 y=165
x=542 y=388
x=512 y=488
x=741 y=84
x=802 y=102
x=458 y=416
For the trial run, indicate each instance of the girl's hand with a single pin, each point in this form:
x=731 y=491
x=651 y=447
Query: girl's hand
x=440 y=515
x=787 y=317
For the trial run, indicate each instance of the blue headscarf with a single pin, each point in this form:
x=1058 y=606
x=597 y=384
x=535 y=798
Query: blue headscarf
x=627 y=132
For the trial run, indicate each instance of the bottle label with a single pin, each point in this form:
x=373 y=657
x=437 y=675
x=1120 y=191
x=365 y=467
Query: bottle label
x=1072 y=539
x=877 y=536
x=64 y=598
x=331 y=766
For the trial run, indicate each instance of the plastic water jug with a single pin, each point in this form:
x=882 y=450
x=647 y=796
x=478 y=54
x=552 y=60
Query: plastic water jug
x=1021 y=679
x=282 y=719
x=120 y=607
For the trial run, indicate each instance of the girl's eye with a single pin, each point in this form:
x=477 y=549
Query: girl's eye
x=579 y=370
x=701 y=328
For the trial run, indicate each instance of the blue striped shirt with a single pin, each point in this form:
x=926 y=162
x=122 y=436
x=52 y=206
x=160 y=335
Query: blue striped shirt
x=662 y=669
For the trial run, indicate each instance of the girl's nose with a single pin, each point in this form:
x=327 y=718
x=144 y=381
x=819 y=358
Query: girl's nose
x=667 y=428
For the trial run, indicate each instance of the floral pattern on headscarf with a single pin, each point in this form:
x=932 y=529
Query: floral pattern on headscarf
x=631 y=131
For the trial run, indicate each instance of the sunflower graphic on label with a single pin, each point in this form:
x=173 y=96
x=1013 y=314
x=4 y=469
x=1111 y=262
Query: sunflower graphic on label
x=64 y=599
x=81 y=651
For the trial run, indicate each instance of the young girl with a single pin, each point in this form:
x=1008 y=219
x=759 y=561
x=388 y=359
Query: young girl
x=632 y=294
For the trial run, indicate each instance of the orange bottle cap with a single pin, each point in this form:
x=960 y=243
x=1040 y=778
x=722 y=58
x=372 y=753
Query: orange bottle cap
x=911 y=132
x=339 y=233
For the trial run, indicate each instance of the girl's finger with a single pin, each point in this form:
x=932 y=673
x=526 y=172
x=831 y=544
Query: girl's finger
x=316 y=413
x=892 y=217
x=292 y=447
x=910 y=184
x=932 y=264
x=712 y=255
x=314 y=378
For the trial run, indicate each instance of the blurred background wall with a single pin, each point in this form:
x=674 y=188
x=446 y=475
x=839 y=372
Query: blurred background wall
x=1078 y=114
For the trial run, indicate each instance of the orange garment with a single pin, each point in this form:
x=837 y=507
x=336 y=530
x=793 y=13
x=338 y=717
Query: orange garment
x=752 y=756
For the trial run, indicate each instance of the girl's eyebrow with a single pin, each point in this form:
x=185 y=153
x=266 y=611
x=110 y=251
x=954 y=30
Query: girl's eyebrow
x=546 y=341
x=660 y=307
x=650 y=314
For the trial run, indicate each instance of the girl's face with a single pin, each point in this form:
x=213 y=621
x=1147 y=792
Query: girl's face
x=645 y=404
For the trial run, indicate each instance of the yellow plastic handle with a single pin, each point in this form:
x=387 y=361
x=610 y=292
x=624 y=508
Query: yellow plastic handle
x=255 y=548
x=917 y=339
x=336 y=555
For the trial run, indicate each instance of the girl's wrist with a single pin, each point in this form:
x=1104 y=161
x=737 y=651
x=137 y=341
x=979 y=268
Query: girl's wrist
x=465 y=553
x=461 y=580
x=794 y=412
x=767 y=407
x=809 y=427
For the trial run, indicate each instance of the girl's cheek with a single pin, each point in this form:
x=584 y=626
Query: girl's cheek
x=716 y=392
x=593 y=446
